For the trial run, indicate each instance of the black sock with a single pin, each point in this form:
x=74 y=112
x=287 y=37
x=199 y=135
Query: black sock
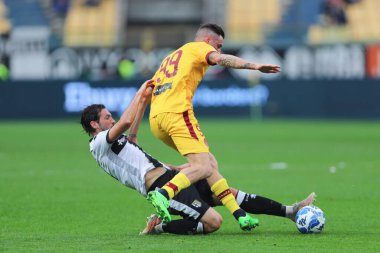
x=163 y=192
x=239 y=213
x=183 y=227
x=259 y=205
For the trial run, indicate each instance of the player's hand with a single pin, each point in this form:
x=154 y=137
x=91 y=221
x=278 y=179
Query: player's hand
x=265 y=68
x=147 y=89
x=145 y=85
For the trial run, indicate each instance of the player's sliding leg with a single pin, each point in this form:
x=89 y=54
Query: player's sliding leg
x=256 y=204
x=201 y=166
x=156 y=226
x=251 y=203
x=209 y=221
x=198 y=216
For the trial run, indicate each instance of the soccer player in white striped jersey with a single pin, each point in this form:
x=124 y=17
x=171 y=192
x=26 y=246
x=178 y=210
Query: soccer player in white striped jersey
x=121 y=157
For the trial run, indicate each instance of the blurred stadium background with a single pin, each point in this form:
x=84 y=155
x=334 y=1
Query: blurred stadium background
x=59 y=55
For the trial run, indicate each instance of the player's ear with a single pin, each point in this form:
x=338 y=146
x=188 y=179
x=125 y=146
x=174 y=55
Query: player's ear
x=94 y=124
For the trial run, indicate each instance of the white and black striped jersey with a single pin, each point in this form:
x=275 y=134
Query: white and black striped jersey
x=123 y=160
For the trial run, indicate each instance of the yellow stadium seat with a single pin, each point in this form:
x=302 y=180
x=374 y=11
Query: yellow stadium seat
x=363 y=25
x=247 y=19
x=91 y=26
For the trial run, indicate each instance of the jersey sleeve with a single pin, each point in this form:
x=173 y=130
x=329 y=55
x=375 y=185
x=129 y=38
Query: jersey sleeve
x=204 y=50
x=100 y=144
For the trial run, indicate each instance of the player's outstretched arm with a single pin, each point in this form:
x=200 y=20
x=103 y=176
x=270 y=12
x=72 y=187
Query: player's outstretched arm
x=144 y=101
x=129 y=114
x=231 y=61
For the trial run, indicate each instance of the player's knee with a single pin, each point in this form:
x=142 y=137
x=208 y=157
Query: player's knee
x=213 y=223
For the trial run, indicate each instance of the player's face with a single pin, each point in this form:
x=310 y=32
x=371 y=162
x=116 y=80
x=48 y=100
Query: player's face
x=105 y=120
x=216 y=42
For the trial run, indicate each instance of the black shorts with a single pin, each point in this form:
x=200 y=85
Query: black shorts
x=192 y=202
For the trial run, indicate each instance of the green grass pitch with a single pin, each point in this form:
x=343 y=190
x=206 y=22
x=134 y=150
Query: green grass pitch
x=55 y=198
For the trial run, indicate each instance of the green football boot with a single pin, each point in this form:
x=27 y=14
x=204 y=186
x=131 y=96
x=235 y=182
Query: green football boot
x=161 y=204
x=247 y=222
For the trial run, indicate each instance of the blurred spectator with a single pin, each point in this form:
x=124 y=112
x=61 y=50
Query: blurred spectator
x=92 y=3
x=106 y=73
x=333 y=12
x=126 y=68
x=351 y=1
x=4 y=71
x=61 y=7
x=86 y=74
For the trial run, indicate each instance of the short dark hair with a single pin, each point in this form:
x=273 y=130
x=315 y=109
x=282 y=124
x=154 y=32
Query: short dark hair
x=214 y=28
x=90 y=113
